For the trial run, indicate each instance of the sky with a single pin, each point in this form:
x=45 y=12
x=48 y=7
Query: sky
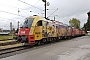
x=64 y=10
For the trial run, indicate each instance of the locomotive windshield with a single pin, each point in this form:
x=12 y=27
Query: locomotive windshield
x=27 y=23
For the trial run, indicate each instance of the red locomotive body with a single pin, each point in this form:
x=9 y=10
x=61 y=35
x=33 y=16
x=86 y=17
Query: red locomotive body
x=24 y=36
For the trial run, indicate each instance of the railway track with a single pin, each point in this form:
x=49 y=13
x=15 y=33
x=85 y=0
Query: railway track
x=9 y=42
x=10 y=50
x=10 y=46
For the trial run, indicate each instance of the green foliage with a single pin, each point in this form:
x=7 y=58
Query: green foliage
x=75 y=23
x=87 y=25
x=83 y=28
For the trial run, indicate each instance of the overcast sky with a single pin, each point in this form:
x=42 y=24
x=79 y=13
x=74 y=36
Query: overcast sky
x=67 y=9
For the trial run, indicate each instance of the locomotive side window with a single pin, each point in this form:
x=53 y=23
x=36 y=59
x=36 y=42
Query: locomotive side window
x=39 y=23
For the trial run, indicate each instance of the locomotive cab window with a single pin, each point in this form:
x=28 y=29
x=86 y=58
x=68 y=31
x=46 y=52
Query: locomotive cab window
x=39 y=23
x=27 y=23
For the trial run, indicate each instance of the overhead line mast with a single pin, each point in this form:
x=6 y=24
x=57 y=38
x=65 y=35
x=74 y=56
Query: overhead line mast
x=45 y=7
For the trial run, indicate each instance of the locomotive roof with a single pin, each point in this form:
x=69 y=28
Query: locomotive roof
x=50 y=21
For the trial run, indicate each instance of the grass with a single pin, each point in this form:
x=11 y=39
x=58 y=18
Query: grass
x=86 y=34
x=3 y=38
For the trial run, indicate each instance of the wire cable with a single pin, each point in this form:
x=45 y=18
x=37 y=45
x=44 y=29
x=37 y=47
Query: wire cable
x=53 y=12
x=20 y=9
x=33 y=6
x=5 y=18
x=11 y=13
x=36 y=2
x=30 y=5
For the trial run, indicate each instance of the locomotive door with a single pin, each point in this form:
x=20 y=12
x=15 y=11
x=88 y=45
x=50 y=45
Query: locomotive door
x=38 y=30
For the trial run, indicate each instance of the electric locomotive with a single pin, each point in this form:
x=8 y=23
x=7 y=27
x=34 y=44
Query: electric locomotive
x=31 y=30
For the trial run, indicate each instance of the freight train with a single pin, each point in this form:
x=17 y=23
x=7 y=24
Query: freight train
x=37 y=30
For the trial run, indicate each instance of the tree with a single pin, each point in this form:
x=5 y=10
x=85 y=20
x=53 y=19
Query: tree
x=85 y=27
x=75 y=23
x=87 y=24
